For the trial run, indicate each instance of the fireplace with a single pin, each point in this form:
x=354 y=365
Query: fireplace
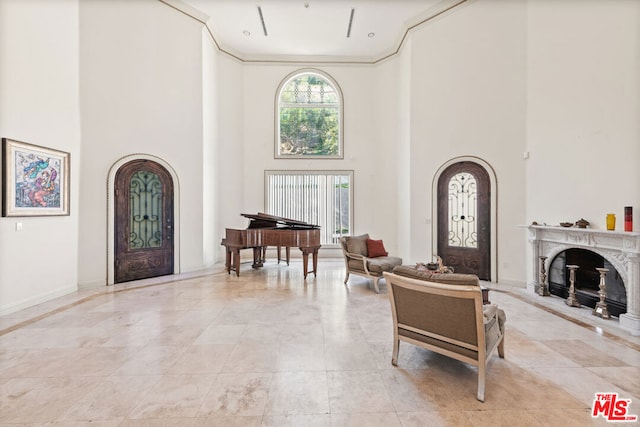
x=619 y=251
x=587 y=279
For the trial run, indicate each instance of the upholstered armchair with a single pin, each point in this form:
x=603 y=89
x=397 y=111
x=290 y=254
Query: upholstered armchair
x=447 y=318
x=366 y=257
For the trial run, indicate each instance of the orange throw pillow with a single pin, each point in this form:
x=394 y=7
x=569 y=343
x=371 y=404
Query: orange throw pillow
x=376 y=248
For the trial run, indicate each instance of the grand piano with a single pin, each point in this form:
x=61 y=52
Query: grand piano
x=269 y=230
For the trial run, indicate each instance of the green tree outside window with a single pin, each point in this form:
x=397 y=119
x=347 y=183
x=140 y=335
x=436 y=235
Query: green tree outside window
x=309 y=117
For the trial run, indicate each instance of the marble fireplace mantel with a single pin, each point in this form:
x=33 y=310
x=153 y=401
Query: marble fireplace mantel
x=620 y=248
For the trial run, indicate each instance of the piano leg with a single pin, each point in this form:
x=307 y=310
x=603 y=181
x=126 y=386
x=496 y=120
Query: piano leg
x=227 y=262
x=287 y=251
x=305 y=260
x=257 y=257
x=315 y=261
x=235 y=255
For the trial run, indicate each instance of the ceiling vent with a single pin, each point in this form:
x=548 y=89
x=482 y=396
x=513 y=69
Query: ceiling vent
x=350 y=22
x=264 y=27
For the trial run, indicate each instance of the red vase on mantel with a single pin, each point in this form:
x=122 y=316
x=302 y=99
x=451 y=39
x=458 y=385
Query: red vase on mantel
x=628 y=218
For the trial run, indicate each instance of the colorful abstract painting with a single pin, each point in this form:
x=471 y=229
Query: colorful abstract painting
x=36 y=180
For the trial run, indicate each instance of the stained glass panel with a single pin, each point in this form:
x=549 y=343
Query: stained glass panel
x=145 y=221
x=463 y=211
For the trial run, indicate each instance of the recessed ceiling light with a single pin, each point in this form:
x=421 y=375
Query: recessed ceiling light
x=371 y=35
x=246 y=33
x=306 y=5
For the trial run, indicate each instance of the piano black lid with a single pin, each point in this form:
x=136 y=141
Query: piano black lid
x=263 y=220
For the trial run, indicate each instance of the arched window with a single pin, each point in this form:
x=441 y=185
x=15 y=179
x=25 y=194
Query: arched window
x=309 y=116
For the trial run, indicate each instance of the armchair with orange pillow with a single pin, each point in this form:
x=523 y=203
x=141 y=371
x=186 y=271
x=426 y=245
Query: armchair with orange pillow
x=366 y=257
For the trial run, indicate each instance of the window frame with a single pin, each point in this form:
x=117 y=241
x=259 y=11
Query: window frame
x=336 y=87
x=346 y=172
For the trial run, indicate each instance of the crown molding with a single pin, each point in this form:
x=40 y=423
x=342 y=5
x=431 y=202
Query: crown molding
x=442 y=8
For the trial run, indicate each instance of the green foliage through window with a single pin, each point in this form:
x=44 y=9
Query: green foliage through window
x=309 y=117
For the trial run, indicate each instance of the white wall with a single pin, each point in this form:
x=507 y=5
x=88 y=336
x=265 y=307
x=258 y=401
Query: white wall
x=403 y=165
x=369 y=148
x=141 y=68
x=391 y=102
x=583 y=108
x=210 y=146
x=468 y=87
x=39 y=104
x=223 y=148
x=230 y=179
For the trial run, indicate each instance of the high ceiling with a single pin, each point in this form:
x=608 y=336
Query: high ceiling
x=364 y=31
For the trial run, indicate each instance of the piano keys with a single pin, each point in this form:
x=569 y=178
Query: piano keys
x=270 y=230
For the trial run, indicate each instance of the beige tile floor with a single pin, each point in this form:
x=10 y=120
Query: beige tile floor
x=270 y=349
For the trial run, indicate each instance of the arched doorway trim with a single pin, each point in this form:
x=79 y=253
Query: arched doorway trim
x=111 y=210
x=494 y=204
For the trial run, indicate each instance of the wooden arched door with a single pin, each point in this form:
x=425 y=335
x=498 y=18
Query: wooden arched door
x=464 y=219
x=143 y=228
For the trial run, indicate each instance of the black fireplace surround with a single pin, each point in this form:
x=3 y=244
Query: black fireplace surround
x=587 y=279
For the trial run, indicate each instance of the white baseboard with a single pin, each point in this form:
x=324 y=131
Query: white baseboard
x=35 y=300
x=513 y=283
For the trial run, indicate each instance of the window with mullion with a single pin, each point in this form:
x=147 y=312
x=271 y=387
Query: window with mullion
x=324 y=198
x=309 y=111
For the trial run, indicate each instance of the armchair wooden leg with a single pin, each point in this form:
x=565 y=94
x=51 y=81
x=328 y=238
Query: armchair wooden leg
x=375 y=284
x=481 y=377
x=394 y=355
x=346 y=278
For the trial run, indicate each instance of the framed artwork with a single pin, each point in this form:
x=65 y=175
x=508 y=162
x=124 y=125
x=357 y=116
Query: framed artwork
x=35 y=180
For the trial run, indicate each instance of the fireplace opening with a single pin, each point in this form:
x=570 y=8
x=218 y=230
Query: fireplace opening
x=587 y=279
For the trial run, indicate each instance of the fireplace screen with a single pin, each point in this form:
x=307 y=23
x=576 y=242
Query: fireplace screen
x=463 y=211
x=587 y=279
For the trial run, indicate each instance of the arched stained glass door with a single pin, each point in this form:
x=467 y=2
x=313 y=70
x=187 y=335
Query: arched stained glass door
x=464 y=230
x=143 y=221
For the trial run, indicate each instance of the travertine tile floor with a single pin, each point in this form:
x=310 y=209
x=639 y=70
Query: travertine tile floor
x=270 y=349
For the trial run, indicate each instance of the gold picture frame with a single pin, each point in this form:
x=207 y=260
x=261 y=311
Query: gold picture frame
x=35 y=180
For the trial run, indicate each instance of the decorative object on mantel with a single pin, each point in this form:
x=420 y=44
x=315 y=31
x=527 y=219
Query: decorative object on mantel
x=601 y=309
x=543 y=290
x=611 y=222
x=566 y=224
x=572 y=300
x=628 y=218
x=582 y=223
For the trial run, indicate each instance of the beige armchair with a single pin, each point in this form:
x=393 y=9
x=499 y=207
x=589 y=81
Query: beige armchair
x=358 y=261
x=449 y=319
